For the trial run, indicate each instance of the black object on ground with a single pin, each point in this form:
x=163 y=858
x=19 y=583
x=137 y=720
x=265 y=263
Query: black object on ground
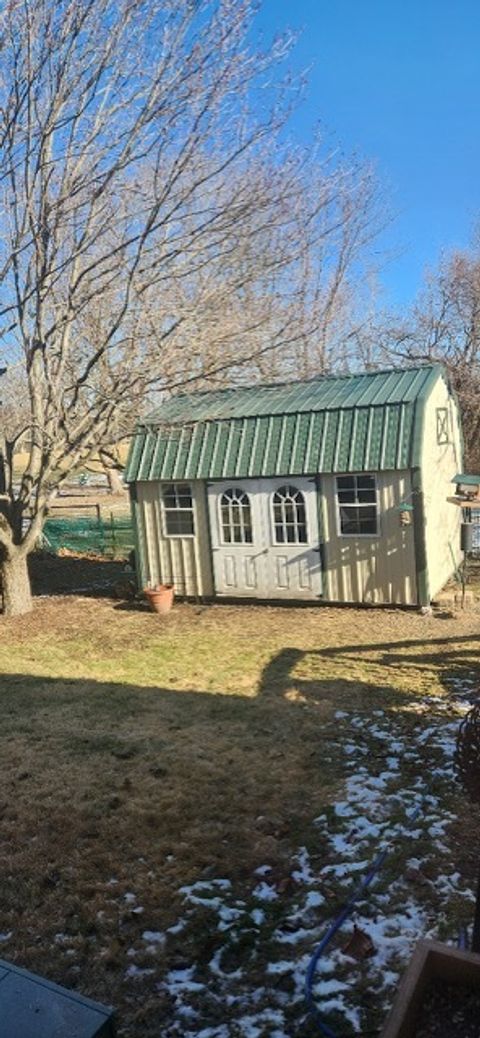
x=31 y=1007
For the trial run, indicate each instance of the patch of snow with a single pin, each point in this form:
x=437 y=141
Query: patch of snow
x=314 y=899
x=134 y=972
x=229 y=915
x=177 y=927
x=303 y=874
x=264 y=892
x=178 y=982
x=154 y=936
x=329 y=987
x=280 y=968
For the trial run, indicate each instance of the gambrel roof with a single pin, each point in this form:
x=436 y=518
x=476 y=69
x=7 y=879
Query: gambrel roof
x=350 y=423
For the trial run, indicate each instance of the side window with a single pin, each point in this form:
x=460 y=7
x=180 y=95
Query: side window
x=178 y=510
x=442 y=425
x=289 y=516
x=357 y=505
x=235 y=517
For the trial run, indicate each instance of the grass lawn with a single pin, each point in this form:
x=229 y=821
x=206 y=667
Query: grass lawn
x=186 y=802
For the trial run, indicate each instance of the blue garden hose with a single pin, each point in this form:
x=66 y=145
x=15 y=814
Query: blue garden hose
x=335 y=927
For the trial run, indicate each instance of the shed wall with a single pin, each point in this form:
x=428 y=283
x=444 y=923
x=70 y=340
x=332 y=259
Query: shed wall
x=439 y=464
x=377 y=569
x=182 y=561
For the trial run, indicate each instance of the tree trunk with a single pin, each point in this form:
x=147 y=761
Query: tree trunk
x=17 y=595
x=115 y=484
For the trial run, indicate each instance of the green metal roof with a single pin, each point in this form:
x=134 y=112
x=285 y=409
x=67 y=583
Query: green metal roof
x=467 y=480
x=351 y=423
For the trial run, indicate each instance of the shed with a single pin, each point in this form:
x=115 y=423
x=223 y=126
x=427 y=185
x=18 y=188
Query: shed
x=329 y=490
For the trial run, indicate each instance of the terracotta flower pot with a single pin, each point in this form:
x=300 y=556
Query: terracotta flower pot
x=160 y=598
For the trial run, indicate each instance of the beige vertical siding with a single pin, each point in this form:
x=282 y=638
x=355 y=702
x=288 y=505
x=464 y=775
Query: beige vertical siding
x=440 y=462
x=370 y=569
x=181 y=561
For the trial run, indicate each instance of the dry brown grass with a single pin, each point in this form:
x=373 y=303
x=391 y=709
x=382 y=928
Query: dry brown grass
x=153 y=752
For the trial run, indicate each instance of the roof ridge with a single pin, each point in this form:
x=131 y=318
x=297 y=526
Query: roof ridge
x=256 y=386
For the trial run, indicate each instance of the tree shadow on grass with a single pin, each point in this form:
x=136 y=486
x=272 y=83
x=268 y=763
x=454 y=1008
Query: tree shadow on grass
x=453 y=659
x=76 y=575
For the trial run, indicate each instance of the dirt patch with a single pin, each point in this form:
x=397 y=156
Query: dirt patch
x=452 y=1009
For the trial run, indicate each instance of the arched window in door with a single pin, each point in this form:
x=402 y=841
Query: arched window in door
x=289 y=516
x=236 y=517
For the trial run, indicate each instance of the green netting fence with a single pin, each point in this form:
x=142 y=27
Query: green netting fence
x=111 y=536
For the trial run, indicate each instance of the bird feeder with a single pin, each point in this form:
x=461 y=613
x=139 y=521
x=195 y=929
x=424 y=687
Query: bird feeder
x=405 y=513
x=467 y=491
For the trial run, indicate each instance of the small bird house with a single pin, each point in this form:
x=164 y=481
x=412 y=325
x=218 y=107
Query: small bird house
x=467 y=490
x=405 y=513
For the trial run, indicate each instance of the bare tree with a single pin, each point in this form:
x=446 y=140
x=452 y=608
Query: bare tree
x=444 y=325
x=151 y=223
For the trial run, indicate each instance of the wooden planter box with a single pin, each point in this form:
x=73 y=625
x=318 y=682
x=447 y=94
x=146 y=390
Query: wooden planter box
x=431 y=960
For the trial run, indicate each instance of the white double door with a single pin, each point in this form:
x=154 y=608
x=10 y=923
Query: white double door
x=265 y=539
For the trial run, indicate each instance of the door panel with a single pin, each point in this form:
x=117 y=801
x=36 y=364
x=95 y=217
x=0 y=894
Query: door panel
x=291 y=517
x=282 y=571
x=238 y=547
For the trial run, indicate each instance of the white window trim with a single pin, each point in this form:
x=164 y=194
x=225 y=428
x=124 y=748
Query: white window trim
x=164 y=510
x=358 y=536
x=288 y=544
x=234 y=544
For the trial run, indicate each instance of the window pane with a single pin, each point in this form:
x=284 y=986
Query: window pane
x=358 y=520
x=366 y=482
x=169 y=496
x=289 y=516
x=346 y=495
x=366 y=495
x=348 y=519
x=179 y=524
x=368 y=520
x=346 y=483
x=236 y=517
x=289 y=513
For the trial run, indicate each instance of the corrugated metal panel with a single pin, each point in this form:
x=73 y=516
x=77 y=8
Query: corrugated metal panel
x=361 y=422
x=362 y=390
x=371 y=438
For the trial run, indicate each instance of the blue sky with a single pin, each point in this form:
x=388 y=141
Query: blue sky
x=398 y=82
